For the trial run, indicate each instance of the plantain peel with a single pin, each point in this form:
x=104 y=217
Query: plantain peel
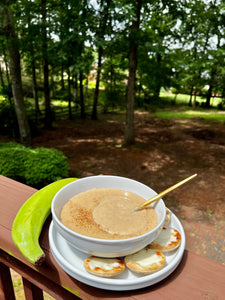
x=30 y=219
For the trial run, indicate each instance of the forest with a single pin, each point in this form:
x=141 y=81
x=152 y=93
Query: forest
x=123 y=52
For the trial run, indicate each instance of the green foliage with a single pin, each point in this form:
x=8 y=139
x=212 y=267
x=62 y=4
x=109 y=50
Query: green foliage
x=8 y=124
x=6 y=91
x=113 y=78
x=36 y=167
x=180 y=46
x=112 y=99
x=221 y=105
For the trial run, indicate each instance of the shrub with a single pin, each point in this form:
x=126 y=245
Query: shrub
x=36 y=167
x=113 y=99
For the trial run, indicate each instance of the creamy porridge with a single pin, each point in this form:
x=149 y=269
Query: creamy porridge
x=108 y=213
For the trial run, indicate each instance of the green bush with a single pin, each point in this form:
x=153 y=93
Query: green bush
x=36 y=167
x=113 y=99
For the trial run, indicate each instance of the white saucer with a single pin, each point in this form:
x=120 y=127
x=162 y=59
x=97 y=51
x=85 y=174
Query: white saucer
x=71 y=261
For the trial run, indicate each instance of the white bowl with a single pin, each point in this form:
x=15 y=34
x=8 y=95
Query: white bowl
x=103 y=247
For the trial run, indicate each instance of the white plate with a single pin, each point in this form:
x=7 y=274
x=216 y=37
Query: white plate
x=71 y=261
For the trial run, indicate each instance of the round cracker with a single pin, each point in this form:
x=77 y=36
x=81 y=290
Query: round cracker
x=104 y=267
x=145 y=261
x=168 y=240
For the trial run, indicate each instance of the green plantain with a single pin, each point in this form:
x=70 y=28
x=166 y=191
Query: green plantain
x=30 y=219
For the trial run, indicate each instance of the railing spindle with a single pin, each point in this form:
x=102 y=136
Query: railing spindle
x=6 y=285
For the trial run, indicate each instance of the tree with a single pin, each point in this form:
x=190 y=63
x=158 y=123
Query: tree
x=100 y=33
x=148 y=44
x=29 y=30
x=214 y=57
x=129 y=138
x=15 y=72
x=202 y=41
x=65 y=50
x=73 y=19
x=48 y=115
x=159 y=36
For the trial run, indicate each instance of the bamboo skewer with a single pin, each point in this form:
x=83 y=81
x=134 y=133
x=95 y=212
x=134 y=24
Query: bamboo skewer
x=163 y=193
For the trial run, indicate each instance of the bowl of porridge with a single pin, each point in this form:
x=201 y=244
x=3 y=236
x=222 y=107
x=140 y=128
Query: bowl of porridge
x=97 y=215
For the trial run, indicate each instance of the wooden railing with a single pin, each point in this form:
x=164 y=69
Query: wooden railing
x=34 y=283
x=196 y=277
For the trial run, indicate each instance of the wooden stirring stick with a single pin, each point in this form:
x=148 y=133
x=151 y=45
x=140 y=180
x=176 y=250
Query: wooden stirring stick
x=160 y=195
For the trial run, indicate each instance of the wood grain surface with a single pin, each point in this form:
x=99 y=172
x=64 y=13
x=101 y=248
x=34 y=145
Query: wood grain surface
x=196 y=277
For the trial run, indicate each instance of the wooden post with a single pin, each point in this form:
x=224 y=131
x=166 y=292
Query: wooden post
x=6 y=285
x=32 y=292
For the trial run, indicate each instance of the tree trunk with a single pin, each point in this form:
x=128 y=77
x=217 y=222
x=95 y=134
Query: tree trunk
x=48 y=115
x=33 y=68
x=75 y=90
x=15 y=72
x=129 y=138
x=87 y=91
x=158 y=82
x=191 y=93
x=52 y=83
x=35 y=88
x=62 y=79
x=82 y=109
x=94 y=110
x=208 y=96
x=1 y=77
x=6 y=66
x=69 y=94
x=194 y=102
x=209 y=92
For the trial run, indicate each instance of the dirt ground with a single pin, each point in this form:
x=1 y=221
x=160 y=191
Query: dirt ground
x=166 y=151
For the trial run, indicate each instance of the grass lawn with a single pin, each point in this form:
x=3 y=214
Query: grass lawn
x=181 y=110
x=208 y=115
x=184 y=99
